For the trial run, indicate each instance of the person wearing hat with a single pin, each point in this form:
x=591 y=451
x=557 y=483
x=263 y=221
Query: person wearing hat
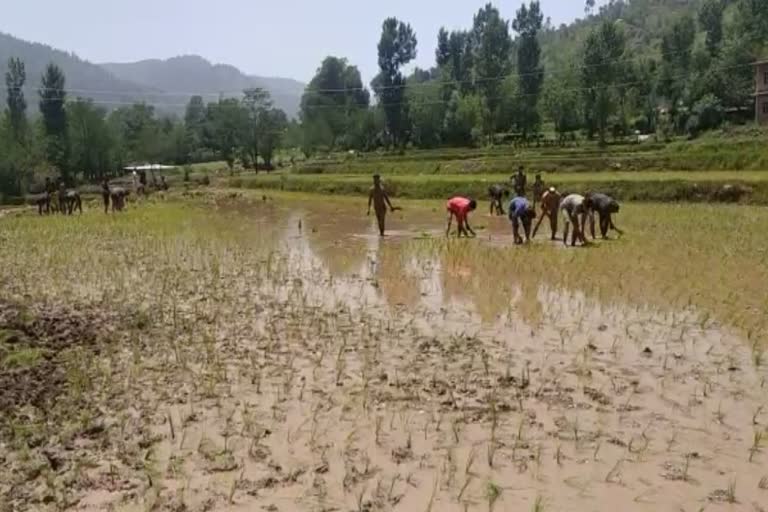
x=550 y=203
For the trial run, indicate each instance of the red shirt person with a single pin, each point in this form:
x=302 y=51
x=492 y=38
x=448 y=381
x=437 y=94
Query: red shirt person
x=460 y=207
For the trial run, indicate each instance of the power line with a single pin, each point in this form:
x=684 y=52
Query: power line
x=355 y=89
x=433 y=102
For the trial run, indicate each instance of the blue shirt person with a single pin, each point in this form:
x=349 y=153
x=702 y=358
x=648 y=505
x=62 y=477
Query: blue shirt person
x=521 y=212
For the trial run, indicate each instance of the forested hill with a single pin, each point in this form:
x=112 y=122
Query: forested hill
x=167 y=85
x=643 y=23
x=192 y=73
x=83 y=78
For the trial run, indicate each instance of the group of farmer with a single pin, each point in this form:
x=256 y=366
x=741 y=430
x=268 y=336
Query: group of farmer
x=576 y=210
x=58 y=198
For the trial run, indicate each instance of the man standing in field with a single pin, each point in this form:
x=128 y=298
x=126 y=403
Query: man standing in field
x=497 y=193
x=550 y=203
x=380 y=201
x=105 y=194
x=605 y=206
x=519 y=182
x=460 y=207
x=538 y=189
x=575 y=208
x=521 y=211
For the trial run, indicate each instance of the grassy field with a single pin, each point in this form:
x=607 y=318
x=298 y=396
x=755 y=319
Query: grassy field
x=228 y=352
x=721 y=186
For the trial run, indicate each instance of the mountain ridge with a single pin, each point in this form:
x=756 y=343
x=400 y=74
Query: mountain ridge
x=152 y=81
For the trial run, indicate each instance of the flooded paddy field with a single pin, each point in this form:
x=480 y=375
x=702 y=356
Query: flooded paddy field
x=227 y=352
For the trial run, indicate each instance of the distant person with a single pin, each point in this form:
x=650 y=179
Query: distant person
x=380 y=201
x=142 y=182
x=538 y=189
x=521 y=212
x=575 y=209
x=605 y=206
x=497 y=193
x=105 y=194
x=163 y=184
x=118 y=196
x=550 y=204
x=73 y=202
x=519 y=182
x=460 y=207
x=50 y=192
x=62 y=197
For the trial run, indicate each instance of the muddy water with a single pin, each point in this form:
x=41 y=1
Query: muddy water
x=301 y=362
x=483 y=386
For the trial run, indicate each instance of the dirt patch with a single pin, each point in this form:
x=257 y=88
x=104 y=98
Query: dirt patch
x=32 y=343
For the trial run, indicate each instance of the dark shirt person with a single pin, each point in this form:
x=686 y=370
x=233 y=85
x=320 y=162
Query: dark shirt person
x=520 y=182
x=496 y=193
x=605 y=206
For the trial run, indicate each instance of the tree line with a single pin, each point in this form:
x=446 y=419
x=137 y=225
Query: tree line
x=79 y=140
x=485 y=82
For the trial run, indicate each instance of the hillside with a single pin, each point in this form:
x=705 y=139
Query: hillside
x=167 y=84
x=83 y=77
x=643 y=20
x=192 y=73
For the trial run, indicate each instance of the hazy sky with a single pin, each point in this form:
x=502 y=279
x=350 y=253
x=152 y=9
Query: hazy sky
x=265 y=37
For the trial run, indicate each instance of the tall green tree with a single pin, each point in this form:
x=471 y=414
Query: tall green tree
x=194 y=122
x=676 y=47
x=90 y=139
x=711 y=20
x=226 y=127
x=334 y=96
x=273 y=124
x=397 y=47
x=602 y=68
x=454 y=61
x=256 y=101
x=15 y=78
x=52 y=107
x=530 y=71
x=491 y=45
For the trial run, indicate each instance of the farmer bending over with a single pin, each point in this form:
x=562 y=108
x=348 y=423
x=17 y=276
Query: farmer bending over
x=460 y=207
x=605 y=206
x=550 y=203
x=575 y=209
x=380 y=201
x=497 y=193
x=521 y=211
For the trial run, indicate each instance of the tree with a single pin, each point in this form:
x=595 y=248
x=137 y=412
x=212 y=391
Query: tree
x=89 y=139
x=561 y=104
x=603 y=49
x=490 y=44
x=52 y=99
x=194 y=122
x=462 y=119
x=676 y=45
x=530 y=73
x=589 y=7
x=226 y=125
x=273 y=124
x=256 y=101
x=15 y=78
x=397 y=47
x=427 y=111
x=334 y=95
x=711 y=20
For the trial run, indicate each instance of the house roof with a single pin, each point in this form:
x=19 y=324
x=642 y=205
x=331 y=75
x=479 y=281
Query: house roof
x=761 y=61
